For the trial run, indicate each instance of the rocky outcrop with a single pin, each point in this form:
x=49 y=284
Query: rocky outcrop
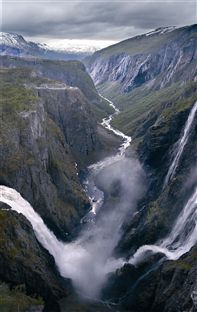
x=170 y=287
x=72 y=113
x=24 y=261
x=72 y=73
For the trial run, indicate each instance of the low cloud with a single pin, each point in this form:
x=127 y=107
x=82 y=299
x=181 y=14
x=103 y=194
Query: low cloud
x=93 y=20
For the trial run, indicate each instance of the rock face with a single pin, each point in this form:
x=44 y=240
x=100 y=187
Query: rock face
x=74 y=117
x=38 y=153
x=170 y=287
x=24 y=261
x=154 y=60
x=48 y=132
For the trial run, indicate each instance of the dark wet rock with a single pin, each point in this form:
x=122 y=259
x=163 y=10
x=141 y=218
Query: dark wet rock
x=71 y=111
x=24 y=261
x=168 y=288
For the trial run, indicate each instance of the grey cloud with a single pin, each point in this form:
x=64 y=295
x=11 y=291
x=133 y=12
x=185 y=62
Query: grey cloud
x=94 y=20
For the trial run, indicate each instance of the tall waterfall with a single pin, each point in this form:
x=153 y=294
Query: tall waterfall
x=181 y=239
x=184 y=232
x=20 y=205
x=180 y=145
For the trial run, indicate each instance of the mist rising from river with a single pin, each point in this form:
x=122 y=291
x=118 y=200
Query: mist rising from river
x=89 y=259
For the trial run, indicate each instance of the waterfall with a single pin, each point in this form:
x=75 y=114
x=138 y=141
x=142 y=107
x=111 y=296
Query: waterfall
x=68 y=257
x=89 y=259
x=180 y=145
x=184 y=232
x=180 y=240
x=20 y=205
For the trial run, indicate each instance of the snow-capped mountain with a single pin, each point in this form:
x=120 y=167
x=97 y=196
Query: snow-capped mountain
x=15 y=45
x=12 y=40
x=160 y=31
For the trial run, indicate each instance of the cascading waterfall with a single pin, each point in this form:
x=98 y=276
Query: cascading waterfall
x=181 y=239
x=12 y=198
x=89 y=259
x=180 y=145
x=184 y=232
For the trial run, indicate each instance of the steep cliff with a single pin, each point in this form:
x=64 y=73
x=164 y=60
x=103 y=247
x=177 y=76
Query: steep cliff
x=24 y=261
x=73 y=73
x=72 y=113
x=48 y=132
x=151 y=61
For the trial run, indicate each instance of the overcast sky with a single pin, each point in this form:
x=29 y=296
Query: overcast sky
x=99 y=20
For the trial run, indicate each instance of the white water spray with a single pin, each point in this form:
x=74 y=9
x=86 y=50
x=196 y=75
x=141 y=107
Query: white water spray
x=180 y=240
x=180 y=145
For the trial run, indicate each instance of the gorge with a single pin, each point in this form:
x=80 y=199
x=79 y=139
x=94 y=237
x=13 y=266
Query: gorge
x=98 y=188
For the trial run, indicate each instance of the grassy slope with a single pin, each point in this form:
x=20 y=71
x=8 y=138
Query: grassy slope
x=70 y=72
x=138 y=45
x=174 y=99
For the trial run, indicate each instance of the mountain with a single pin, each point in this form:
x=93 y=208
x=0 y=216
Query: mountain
x=152 y=79
x=144 y=63
x=15 y=45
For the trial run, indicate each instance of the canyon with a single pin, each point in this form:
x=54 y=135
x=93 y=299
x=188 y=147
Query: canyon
x=98 y=184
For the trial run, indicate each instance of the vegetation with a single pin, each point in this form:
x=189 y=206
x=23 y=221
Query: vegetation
x=16 y=299
x=143 y=106
x=13 y=80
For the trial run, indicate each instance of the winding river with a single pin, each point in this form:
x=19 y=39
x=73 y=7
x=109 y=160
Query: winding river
x=95 y=195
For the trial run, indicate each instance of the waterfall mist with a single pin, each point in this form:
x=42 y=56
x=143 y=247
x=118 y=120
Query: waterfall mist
x=89 y=259
x=100 y=239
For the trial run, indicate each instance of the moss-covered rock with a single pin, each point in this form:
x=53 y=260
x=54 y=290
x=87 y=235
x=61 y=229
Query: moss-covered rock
x=24 y=261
